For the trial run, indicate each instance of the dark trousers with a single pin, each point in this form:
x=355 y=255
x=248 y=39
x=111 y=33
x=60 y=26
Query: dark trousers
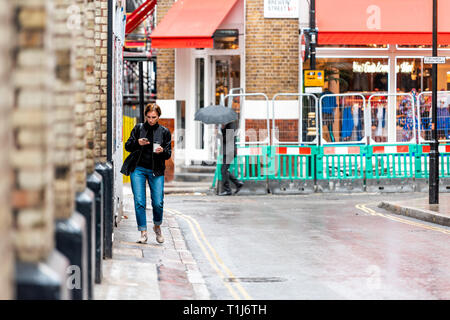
x=226 y=177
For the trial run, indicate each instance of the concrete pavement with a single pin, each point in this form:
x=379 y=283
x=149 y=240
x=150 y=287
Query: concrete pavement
x=149 y=271
x=420 y=209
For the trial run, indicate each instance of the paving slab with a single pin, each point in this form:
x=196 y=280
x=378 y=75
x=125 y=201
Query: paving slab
x=150 y=271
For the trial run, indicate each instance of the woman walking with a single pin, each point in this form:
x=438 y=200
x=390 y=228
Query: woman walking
x=150 y=146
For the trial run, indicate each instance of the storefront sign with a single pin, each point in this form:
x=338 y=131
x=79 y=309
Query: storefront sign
x=281 y=9
x=434 y=60
x=372 y=67
x=314 y=78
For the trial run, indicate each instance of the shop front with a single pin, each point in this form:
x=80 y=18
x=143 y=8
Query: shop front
x=379 y=47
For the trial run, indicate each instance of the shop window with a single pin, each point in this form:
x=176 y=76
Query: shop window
x=365 y=46
x=226 y=39
x=354 y=74
x=441 y=46
x=412 y=75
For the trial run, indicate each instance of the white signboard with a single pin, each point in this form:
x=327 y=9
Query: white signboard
x=281 y=9
x=434 y=60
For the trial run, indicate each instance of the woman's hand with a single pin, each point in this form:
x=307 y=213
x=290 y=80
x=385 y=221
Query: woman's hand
x=159 y=150
x=143 y=142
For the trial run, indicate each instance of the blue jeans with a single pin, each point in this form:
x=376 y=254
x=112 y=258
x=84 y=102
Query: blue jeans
x=138 y=178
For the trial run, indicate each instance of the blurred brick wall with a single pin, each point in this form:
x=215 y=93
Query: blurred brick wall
x=80 y=100
x=90 y=98
x=6 y=245
x=101 y=74
x=63 y=107
x=32 y=152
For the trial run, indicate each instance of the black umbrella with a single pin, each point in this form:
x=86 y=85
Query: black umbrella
x=216 y=115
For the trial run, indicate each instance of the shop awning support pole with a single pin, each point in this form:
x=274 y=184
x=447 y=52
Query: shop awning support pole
x=434 y=145
x=312 y=35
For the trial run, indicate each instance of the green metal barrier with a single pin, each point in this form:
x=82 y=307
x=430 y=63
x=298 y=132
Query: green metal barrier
x=341 y=162
x=390 y=161
x=252 y=165
x=422 y=161
x=293 y=162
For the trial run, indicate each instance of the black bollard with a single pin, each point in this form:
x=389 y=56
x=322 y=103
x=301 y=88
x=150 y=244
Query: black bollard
x=95 y=183
x=106 y=171
x=45 y=280
x=85 y=205
x=71 y=240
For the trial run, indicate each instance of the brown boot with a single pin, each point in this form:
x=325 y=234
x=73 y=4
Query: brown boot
x=158 y=232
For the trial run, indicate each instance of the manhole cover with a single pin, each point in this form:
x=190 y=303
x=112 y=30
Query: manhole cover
x=256 y=279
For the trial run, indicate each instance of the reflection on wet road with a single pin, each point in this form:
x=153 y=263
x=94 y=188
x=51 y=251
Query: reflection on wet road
x=335 y=246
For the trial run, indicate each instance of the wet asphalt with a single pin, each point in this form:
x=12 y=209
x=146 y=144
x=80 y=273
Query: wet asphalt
x=317 y=246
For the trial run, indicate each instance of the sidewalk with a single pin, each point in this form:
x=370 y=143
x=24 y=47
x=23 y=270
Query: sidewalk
x=420 y=209
x=149 y=271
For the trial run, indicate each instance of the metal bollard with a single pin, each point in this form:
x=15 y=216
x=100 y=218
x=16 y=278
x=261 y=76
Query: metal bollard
x=45 y=280
x=95 y=183
x=85 y=205
x=71 y=240
x=106 y=171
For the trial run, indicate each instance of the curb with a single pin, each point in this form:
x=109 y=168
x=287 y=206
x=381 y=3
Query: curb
x=187 y=191
x=421 y=214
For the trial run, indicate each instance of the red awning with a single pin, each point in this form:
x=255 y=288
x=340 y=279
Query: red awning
x=363 y=22
x=191 y=24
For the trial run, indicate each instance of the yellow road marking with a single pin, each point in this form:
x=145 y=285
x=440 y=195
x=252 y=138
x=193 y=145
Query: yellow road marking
x=401 y=220
x=215 y=261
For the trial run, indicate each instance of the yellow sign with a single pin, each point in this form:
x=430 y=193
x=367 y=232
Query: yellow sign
x=314 y=78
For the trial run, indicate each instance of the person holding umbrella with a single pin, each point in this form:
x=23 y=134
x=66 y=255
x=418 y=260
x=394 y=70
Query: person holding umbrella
x=229 y=152
x=226 y=117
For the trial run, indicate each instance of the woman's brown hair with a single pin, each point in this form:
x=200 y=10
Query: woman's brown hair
x=152 y=107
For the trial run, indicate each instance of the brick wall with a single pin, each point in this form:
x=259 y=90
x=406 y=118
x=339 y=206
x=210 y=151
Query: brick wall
x=287 y=129
x=6 y=248
x=80 y=101
x=100 y=73
x=272 y=52
x=63 y=125
x=89 y=34
x=31 y=118
x=165 y=82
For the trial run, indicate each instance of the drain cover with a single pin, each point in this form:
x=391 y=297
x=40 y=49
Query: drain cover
x=256 y=279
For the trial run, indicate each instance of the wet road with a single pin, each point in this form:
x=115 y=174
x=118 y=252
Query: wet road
x=321 y=246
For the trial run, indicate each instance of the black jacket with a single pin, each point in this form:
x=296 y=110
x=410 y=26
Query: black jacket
x=229 y=132
x=162 y=134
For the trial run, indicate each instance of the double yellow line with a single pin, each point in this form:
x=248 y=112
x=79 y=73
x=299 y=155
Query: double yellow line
x=227 y=277
x=398 y=219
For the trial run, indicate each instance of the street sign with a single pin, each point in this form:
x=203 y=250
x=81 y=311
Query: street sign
x=314 y=78
x=434 y=60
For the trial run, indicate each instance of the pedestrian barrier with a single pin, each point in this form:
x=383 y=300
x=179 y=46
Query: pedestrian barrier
x=354 y=155
x=390 y=168
x=293 y=149
x=403 y=129
x=343 y=118
x=293 y=169
x=340 y=168
x=422 y=168
x=424 y=111
x=252 y=165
